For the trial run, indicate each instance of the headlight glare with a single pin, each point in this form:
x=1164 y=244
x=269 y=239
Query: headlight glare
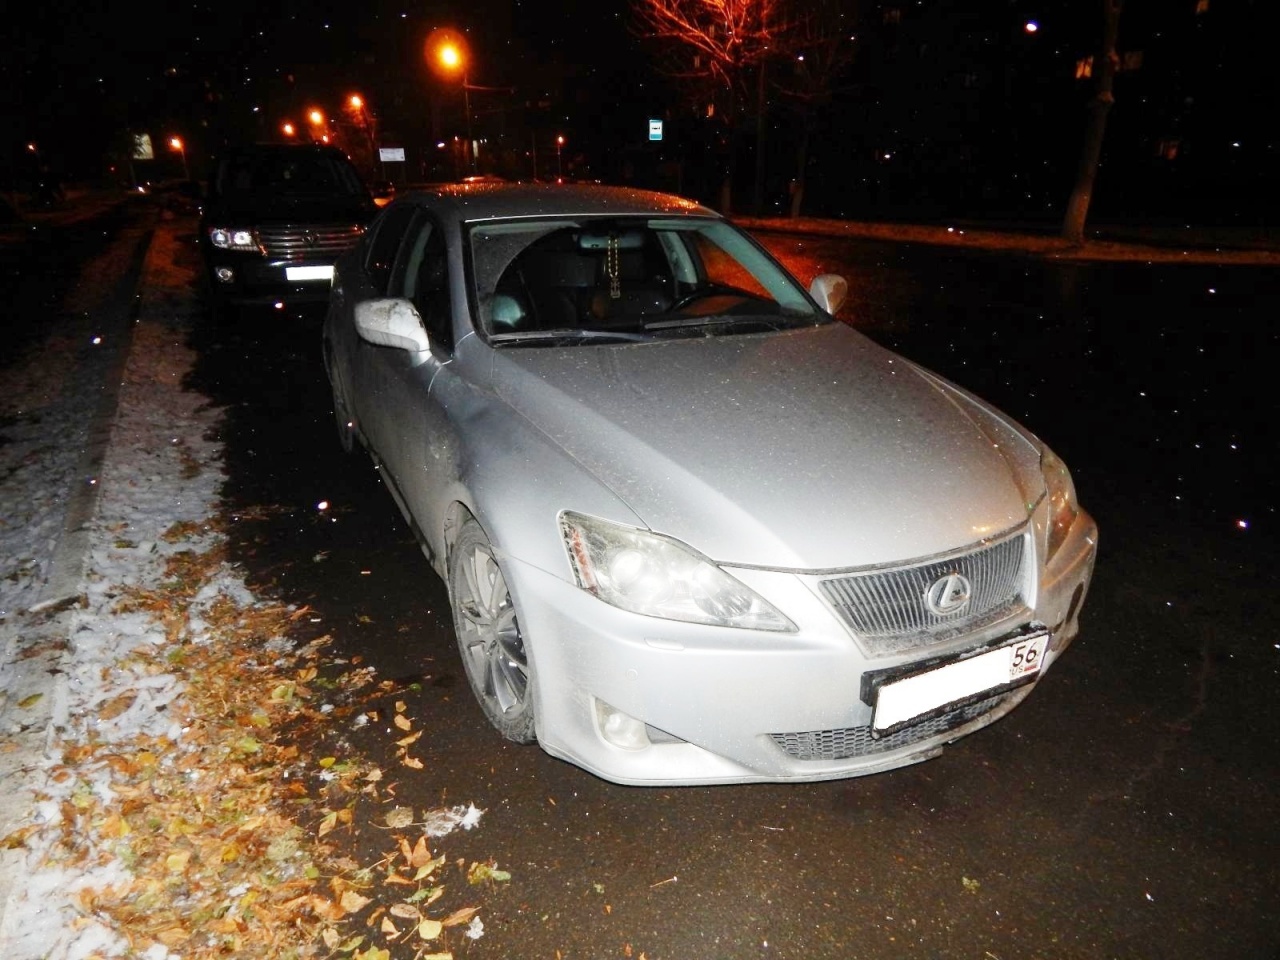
x=660 y=577
x=1061 y=494
x=229 y=238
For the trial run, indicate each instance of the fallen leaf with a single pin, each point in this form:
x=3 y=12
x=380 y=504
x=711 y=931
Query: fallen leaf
x=388 y=927
x=412 y=738
x=30 y=701
x=412 y=762
x=402 y=722
x=430 y=929
x=399 y=817
x=353 y=902
x=177 y=862
x=460 y=916
x=405 y=911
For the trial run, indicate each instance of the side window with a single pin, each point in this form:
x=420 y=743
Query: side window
x=421 y=275
x=388 y=232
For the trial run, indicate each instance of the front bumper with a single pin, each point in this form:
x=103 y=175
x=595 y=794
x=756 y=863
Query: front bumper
x=721 y=705
x=254 y=279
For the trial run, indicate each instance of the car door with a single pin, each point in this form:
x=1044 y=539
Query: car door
x=411 y=430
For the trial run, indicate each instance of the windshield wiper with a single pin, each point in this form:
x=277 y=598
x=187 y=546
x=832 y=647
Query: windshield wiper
x=773 y=321
x=539 y=336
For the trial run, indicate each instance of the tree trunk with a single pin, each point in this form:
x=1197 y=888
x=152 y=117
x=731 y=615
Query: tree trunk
x=757 y=198
x=1099 y=107
x=802 y=158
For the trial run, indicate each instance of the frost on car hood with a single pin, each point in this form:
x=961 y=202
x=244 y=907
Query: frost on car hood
x=812 y=449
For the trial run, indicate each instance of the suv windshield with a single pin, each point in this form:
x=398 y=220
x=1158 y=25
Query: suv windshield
x=589 y=280
x=288 y=173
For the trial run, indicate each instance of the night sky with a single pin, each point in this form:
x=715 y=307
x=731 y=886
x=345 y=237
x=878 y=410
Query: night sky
x=951 y=107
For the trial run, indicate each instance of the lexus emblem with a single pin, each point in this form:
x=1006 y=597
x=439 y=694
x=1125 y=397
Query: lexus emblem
x=947 y=595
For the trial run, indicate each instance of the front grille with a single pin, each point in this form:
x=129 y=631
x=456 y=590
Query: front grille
x=858 y=741
x=297 y=243
x=887 y=609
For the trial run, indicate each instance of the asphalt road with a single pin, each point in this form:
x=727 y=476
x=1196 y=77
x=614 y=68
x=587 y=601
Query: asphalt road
x=1127 y=810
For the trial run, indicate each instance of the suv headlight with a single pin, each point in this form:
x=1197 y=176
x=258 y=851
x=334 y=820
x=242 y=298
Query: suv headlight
x=228 y=238
x=1061 y=493
x=659 y=577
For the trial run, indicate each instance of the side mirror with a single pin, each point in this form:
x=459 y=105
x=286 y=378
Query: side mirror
x=391 y=322
x=830 y=290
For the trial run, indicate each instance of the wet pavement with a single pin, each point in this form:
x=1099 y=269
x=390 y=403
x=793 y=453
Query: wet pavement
x=1127 y=809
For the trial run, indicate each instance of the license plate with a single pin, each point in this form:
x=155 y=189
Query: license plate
x=904 y=700
x=309 y=273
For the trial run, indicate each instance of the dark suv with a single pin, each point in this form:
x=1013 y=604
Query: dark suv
x=276 y=217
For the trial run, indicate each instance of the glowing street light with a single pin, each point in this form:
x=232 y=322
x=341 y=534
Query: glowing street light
x=175 y=143
x=559 y=144
x=288 y=129
x=316 y=118
x=446 y=54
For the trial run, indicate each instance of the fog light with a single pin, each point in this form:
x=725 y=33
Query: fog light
x=619 y=728
x=224 y=274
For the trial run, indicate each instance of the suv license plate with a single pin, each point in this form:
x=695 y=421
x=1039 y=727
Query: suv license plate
x=309 y=273
x=904 y=700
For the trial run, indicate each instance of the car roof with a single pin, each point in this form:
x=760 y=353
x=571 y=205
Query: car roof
x=498 y=201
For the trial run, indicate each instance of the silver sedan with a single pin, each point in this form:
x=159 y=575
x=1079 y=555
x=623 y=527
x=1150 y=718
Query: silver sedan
x=694 y=530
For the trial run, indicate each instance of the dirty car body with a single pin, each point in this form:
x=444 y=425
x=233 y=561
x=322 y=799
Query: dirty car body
x=694 y=529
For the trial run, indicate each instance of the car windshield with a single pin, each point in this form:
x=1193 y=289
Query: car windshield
x=284 y=173
x=569 y=281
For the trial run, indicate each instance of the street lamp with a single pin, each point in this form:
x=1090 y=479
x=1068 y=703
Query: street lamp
x=447 y=56
x=559 y=144
x=288 y=129
x=175 y=143
x=316 y=118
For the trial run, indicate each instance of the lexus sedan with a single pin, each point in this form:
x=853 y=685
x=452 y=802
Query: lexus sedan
x=694 y=530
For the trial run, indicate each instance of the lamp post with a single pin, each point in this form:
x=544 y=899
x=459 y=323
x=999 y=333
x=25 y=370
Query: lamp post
x=559 y=144
x=451 y=57
x=175 y=143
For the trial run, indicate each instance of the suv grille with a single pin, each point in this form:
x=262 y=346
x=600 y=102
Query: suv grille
x=296 y=243
x=859 y=742
x=887 y=610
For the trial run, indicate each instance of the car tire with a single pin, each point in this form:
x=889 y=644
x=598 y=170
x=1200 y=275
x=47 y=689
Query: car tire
x=489 y=640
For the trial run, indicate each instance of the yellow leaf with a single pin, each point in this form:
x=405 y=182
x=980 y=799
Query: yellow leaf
x=412 y=762
x=327 y=762
x=373 y=953
x=374 y=775
x=412 y=738
x=430 y=929
x=30 y=701
x=330 y=937
x=436 y=956
x=389 y=928
x=177 y=862
x=402 y=722
x=327 y=824
x=426 y=869
x=401 y=706
x=352 y=902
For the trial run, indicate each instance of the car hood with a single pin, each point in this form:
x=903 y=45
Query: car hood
x=811 y=449
x=254 y=209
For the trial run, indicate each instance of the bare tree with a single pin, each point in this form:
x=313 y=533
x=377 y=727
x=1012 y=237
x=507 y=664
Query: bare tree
x=822 y=41
x=1099 y=107
x=715 y=47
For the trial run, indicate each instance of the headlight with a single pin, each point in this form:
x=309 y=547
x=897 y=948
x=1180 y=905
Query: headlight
x=225 y=238
x=1061 y=493
x=660 y=577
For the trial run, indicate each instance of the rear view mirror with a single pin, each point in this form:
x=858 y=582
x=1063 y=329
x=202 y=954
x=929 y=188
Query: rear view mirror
x=830 y=290
x=391 y=322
